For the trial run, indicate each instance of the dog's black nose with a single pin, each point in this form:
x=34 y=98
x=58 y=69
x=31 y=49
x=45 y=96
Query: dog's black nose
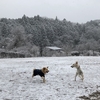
x=72 y=66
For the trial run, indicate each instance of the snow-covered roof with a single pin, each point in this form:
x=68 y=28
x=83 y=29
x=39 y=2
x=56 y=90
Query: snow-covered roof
x=53 y=47
x=75 y=52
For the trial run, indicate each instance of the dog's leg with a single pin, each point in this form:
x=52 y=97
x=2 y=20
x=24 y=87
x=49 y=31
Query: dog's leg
x=82 y=77
x=32 y=76
x=76 y=76
x=43 y=79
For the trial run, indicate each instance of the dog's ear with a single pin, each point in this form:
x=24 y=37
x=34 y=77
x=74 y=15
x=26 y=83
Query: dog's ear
x=76 y=62
x=44 y=68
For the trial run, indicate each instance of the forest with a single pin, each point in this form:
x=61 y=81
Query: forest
x=30 y=35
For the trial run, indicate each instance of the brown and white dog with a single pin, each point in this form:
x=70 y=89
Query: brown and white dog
x=79 y=71
x=40 y=72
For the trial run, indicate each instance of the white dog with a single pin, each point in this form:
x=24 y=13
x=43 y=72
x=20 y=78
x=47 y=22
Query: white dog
x=79 y=71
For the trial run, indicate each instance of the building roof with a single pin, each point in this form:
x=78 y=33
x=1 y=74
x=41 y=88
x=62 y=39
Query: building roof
x=75 y=52
x=53 y=47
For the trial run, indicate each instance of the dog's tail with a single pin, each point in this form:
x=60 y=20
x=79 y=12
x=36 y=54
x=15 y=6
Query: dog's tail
x=33 y=73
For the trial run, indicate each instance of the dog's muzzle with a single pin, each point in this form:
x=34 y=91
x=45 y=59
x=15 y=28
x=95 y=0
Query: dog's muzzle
x=72 y=66
x=47 y=71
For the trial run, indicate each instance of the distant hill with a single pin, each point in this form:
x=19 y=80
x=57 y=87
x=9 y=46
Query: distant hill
x=98 y=21
x=29 y=35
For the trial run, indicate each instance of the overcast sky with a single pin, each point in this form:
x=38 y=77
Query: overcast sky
x=79 y=11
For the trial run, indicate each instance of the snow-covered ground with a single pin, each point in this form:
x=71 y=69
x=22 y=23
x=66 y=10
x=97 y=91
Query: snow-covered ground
x=16 y=82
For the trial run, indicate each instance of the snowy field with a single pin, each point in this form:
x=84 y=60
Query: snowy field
x=16 y=82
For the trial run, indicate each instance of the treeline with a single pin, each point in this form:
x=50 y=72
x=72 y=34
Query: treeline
x=30 y=35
